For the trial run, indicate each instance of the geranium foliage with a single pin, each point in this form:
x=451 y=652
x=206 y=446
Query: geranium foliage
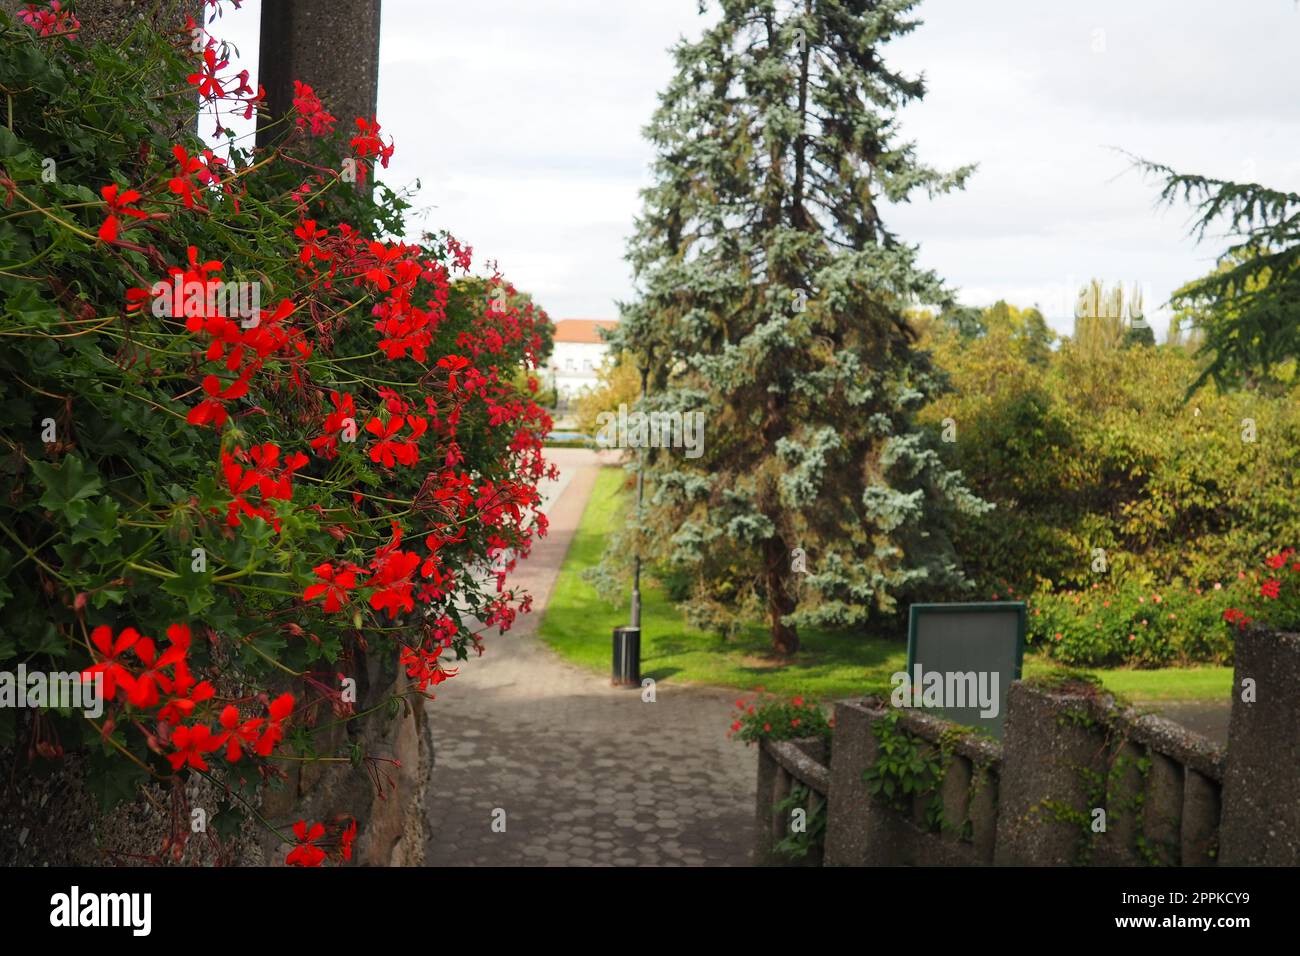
x=249 y=432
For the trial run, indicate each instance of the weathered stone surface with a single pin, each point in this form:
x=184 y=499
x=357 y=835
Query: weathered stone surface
x=956 y=797
x=1054 y=751
x=1162 y=810
x=984 y=811
x=1117 y=846
x=1261 y=806
x=855 y=749
x=1175 y=741
x=1200 y=826
x=327 y=791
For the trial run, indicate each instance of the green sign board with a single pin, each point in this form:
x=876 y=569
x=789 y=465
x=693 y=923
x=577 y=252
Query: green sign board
x=961 y=660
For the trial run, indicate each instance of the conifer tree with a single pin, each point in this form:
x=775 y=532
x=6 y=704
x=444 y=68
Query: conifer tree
x=1246 y=310
x=771 y=297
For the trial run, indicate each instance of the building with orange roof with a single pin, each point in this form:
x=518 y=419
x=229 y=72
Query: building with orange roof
x=579 y=351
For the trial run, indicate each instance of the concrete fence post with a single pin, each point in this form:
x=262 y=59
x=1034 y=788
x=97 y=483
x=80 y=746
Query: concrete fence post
x=1261 y=784
x=1054 y=759
x=853 y=751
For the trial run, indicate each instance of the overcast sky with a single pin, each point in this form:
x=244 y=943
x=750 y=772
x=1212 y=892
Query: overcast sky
x=522 y=120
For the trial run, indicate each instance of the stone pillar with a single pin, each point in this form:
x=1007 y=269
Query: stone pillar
x=332 y=46
x=852 y=752
x=763 y=808
x=862 y=831
x=1261 y=783
x=1054 y=753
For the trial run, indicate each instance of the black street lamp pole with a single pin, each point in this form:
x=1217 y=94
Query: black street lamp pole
x=627 y=640
x=640 y=494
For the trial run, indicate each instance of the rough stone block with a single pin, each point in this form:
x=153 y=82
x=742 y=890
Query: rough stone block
x=1261 y=786
x=1054 y=753
x=1200 y=827
x=1162 y=810
x=956 y=798
x=1117 y=846
x=854 y=750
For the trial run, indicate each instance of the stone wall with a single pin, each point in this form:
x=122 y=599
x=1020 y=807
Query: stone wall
x=50 y=814
x=1076 y=780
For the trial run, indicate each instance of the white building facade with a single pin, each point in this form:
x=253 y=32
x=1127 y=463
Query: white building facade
x=577 y=356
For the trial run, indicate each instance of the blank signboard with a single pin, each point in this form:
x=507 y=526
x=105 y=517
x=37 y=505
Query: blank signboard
x=980 y=639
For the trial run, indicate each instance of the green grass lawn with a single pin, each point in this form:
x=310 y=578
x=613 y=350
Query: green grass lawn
x=577 y=623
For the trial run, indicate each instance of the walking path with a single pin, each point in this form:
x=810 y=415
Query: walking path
x=586 y=774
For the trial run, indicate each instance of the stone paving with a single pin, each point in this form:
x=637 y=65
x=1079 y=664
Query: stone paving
x=586 y=774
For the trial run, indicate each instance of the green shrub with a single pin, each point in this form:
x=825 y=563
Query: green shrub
x=1121 y=623
x=1104 y=451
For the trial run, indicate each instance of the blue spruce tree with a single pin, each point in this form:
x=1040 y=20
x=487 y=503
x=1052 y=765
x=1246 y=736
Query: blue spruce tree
x=772 y=298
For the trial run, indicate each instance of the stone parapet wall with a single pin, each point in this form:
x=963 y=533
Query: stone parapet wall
x=1077 y=780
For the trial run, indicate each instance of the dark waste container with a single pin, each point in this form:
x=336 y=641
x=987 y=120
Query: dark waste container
x=627 y=657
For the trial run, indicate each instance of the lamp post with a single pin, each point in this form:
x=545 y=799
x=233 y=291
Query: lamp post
x=627 y=640
x=640 y=494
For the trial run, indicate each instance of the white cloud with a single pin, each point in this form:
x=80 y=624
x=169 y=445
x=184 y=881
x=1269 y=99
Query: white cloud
x=522 y=120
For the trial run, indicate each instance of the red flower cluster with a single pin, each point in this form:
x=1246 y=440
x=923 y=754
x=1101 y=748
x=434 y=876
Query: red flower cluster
x=310 y=849
x=258 y=468
x=50 y=21
x=367 y=144
x=310 y=112
x=421 y=662
x=163 y=682
x=1281 y=594
x=214 y=88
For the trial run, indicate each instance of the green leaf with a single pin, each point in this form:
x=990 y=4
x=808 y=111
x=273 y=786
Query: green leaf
x=112 y=779
x=43 y=638
x=193 y=588
x=66 y=487
x=100 y=523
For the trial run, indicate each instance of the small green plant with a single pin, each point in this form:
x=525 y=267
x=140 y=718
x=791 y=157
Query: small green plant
x=906 y=767
x=798 y=843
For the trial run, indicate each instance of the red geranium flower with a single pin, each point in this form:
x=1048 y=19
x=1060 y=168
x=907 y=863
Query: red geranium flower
x=191 y=744
x=279 y=709
x=306 y=853
x=335 y=588
x=118 y=205
x=206 y=79
x=238 y=734
x=112 y=669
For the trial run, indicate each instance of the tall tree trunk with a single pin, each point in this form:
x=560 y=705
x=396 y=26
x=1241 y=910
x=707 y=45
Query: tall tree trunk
x=776 y=560
x=331 y=45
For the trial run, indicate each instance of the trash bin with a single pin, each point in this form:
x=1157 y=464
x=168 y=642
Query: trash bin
x=627 y=657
